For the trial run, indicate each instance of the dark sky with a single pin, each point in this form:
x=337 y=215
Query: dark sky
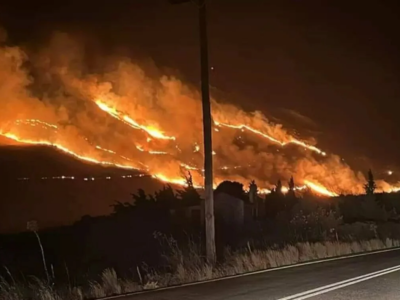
x=336 y=62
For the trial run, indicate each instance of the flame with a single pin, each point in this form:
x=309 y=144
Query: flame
x=264 y=191
x=177 y=181
x=154 y=132
x=106 y=150
x=64 y=149
x=272 y=139
x=394 y=190
x=319 y=189
x=165 y=110
x=188 y=167
x=35 y=122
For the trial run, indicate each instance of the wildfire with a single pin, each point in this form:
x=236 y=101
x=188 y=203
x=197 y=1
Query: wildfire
x=319 y=189
x=162 y=177
x=394 y=190
x=66 y=150
x=272 y=139
x=35 y=122
x=166 y=134
x=177 y=181
x=307 y=184
x=154 y=132
x=105 y=150
x=188 y=167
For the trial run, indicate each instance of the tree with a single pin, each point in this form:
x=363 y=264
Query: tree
x=140 y=201
x=290 y=197
x=370 y=186
x=189 y=195
x=119 y=207
x=232 y=188
x=253 y=191
x=291 y=184
x=166 y=198
x=278 y=188
x=291 y=193
x=274 y=202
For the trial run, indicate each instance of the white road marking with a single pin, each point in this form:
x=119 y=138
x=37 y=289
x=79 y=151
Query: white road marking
x=251 y=273
x=340 y=284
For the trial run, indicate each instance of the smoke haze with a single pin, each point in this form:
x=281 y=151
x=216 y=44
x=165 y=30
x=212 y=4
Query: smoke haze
x=118 y=112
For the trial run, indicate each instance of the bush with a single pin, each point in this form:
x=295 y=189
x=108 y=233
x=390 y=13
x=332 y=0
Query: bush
x=318 y=225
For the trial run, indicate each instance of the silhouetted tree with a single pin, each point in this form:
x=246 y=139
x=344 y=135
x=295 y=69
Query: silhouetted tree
x=166 y=198
x=291 y=193
x=290 y=197
x=141 y=200
x=278 y=188
x=291 y=184
x=253 y=191
x=370 y=186
x=189 y=195
x=232 y=188
x=274 y=202
x=119 y=207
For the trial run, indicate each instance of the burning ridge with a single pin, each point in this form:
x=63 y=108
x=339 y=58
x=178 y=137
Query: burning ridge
x=124 y=118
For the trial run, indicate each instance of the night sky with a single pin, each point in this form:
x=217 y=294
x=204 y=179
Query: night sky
x=334 y=62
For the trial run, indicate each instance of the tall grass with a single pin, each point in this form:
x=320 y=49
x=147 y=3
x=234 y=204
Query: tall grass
x=188 y=265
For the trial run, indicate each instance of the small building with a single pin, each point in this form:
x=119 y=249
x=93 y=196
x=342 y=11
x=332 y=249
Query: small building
x=228 y=209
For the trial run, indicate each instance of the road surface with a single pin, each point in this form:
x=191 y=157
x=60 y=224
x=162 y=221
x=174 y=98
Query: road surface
x=374 y=276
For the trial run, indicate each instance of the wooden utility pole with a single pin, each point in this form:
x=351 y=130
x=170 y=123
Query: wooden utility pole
x=207 y=132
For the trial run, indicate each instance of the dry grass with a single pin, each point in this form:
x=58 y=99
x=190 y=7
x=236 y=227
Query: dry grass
x=190 y=266
x=187 y=270
x=108 y=285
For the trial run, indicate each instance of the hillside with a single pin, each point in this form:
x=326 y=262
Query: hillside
x=29 y=190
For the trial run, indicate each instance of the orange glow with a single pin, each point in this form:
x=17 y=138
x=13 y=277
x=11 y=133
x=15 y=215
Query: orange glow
x=272 y=139
x=154 y=132
x=177 y=181
x=319 y=189
x=314 y=187
x=66 y=150
x=34 y=122
x=160 y=130
x=106 y=150
x=188 y=167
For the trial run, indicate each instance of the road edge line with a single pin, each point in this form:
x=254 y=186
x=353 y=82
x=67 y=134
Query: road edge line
x=311 y=262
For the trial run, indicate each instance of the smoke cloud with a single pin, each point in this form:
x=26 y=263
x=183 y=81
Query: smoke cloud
x=115 y=112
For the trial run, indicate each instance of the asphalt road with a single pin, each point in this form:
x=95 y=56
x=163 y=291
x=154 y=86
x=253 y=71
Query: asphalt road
x=355 y=278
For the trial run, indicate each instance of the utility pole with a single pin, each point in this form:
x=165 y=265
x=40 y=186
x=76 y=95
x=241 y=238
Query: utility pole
x=207 y=132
